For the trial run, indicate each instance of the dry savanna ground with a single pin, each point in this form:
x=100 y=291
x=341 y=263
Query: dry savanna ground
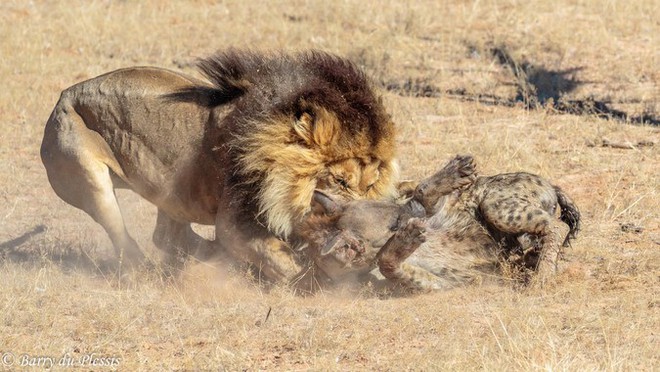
x=567 y=89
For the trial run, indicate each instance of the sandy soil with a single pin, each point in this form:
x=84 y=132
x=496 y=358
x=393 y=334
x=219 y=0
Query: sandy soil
x=580 y=77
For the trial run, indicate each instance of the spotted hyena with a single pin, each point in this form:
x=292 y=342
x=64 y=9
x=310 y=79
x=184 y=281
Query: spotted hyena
x=457 y=228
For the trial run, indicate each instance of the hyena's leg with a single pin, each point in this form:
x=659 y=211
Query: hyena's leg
x=178 y=240
x=398 y=248
x=459 y=172
x=510 y=215
x=551 y=248
x=77 y=163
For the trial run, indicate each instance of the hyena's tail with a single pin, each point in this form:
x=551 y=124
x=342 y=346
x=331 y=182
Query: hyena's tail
x=569 y=214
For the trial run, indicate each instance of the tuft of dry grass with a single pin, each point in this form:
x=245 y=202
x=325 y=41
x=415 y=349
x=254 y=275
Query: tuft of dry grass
x=61 y=297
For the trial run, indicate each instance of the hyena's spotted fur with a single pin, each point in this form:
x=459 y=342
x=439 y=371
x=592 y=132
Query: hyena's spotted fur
x=472 y=225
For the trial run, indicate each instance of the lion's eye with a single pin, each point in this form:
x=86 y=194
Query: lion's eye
x=370 y=187
x=342 y=182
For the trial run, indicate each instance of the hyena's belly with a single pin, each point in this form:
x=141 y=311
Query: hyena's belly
x=457 y=249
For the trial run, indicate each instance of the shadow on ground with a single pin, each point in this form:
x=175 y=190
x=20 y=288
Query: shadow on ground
x=536 y=88
x=31 y=248
x=35 y=248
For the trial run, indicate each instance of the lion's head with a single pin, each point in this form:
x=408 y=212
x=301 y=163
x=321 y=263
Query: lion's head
x=301 y=122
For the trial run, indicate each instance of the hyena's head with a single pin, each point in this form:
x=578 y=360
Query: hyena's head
x=343 y=237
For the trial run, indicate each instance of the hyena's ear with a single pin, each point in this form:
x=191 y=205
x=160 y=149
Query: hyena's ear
x=324 y=204
x=316 y=126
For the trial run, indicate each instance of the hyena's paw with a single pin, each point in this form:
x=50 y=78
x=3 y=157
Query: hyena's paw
x=413 y=233
x=462 y=170
x=458 y=173
x=400 y=246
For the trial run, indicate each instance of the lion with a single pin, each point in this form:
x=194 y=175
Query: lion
x=243 y=151
x=457 y=228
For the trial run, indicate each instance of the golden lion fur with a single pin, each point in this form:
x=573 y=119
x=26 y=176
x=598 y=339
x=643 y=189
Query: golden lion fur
x=244 y=150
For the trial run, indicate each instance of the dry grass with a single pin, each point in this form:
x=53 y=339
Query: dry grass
x=602 y=314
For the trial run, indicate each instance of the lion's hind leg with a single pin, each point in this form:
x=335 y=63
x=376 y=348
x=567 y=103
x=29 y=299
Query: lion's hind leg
x=75 y=159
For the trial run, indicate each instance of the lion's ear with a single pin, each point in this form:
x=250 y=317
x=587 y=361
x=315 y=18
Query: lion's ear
x=304 y=127
x=316 y=129
x=323 y=203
